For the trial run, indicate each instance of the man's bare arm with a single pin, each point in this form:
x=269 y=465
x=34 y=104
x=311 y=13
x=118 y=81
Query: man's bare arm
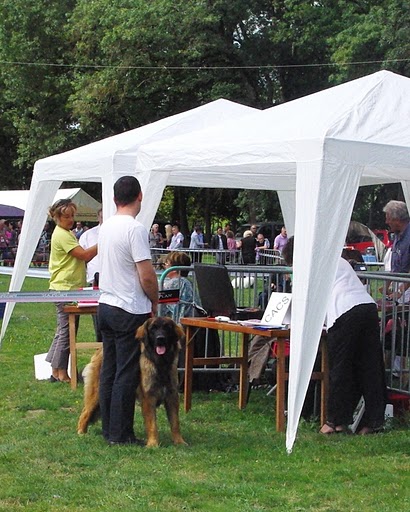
x=149 y=282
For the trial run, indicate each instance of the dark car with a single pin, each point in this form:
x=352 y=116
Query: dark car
x=268 y=229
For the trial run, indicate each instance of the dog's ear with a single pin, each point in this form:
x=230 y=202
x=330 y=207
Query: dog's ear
x=179 y=332
x=142 y=330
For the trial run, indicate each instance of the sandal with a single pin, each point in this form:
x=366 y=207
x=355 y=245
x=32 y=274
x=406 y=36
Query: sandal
x=332 y=429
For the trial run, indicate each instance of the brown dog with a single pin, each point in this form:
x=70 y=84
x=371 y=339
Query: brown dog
x=160 y=347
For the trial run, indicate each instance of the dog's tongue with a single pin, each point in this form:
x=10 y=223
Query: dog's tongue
x=160 y=350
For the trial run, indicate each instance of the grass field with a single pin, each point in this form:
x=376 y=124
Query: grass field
x=235 y=460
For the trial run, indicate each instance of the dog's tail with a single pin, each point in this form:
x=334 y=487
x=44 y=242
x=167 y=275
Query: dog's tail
x=91 y=409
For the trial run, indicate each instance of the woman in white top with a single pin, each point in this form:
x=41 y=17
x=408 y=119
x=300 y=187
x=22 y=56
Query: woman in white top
x=355 y=353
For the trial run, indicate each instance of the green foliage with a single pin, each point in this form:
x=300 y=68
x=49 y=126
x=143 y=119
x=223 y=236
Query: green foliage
x=74 y=71
x=256 y=206
x=162 y=79
x=31 y=32
x=372 y=31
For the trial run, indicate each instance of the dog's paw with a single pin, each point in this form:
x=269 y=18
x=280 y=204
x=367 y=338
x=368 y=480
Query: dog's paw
x=152 y=443
x=178 y=440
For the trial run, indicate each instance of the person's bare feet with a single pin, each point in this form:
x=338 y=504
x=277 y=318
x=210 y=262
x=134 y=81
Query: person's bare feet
x=329 y=428
x=63 y=376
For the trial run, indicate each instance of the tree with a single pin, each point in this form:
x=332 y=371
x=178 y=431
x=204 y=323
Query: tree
x=374 y=35
x=33 y=49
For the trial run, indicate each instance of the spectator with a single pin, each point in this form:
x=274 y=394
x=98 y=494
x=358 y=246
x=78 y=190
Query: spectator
x=4 y=251
x=281 y=240
x=155 y=237
x=177 y=240
x=18 y=230
x=219 y=243
x=230 y=241
x=179 y=280
x=168 y=235
x=261 y=243
x=78 y=230
x=248 y=245
x=129 y=296
x=11 y=234
x=355 y=353
x=397 y=218
x=88 y=239
x=67 y=272
x=232 y=246
x=197 y=243
x=43 y=246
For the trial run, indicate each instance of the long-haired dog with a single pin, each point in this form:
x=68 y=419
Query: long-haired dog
x=160 y=345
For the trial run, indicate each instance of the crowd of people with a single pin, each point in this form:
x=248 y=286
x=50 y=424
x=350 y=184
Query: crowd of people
x=249 y=249
x=9 y=238
x=10 y=233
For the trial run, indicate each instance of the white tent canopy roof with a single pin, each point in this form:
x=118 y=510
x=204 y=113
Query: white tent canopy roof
x=315 y=151
x=87 y=206
x=273 y=141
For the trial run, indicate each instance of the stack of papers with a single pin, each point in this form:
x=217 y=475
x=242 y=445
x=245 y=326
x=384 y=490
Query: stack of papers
x=254 y=322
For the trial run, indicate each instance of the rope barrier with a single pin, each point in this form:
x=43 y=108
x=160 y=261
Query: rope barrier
x=165 y=296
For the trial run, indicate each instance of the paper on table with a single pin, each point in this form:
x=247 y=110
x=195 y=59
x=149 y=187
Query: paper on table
x=255 y=322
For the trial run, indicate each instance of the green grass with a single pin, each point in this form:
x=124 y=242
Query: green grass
x=235 y=460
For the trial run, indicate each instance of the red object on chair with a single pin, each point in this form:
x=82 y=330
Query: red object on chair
x=274 y=350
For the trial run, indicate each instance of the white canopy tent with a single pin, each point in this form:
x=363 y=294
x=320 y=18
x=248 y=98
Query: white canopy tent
x=105 y=161
x=315 y=151
x=87 y=205
x=320 y=148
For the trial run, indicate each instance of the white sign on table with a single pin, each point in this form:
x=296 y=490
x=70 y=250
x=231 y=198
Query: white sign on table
x=278 y=310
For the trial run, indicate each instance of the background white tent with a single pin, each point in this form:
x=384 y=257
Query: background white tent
x=317 y=149
x=87 y=205
x=320 y=147
x=104 y=162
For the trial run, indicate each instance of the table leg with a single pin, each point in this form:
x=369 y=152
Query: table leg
x=73 y=350
x=189 y=356
x=243 y=373
x=280 y=385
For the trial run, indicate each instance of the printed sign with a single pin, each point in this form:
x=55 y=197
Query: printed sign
x=277 y=311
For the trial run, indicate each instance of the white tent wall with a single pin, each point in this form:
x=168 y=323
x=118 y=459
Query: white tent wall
x=104 y=162
x=153 y=186
x=405 y=185
x=325 y=195
x=287 y=200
